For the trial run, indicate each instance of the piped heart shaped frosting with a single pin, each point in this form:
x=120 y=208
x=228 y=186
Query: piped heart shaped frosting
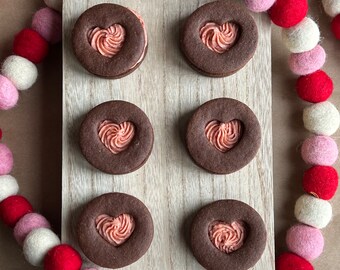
x=219 y=38
x=116 y=137
x=224 y=136
x=108 y=42
x=227 y=237
x=115 y=230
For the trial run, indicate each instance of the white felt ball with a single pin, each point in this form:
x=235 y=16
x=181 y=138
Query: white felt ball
x=22 y=72
x=313 y=211
x=8 y=186
x=332 y=7
x=322 y=118
x=37 y=243
x=303 y=37
x=54 y=4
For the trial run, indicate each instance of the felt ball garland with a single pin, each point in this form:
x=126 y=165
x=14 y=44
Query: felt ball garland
x=301 y=36
x=18 y=72
x=30 y=47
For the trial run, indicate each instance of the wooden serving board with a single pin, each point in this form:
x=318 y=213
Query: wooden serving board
x=168 y=90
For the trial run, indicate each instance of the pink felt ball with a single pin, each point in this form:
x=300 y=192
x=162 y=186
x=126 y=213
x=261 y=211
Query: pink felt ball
x=319 y=150
x=6 y=159
x=9 y=95
x=47 y=23
x=259 y=5
x=305 y=241
x=27 y=224
x=307 y=62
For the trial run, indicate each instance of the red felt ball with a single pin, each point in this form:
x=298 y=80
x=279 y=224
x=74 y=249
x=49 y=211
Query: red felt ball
x=287 y=13
x=290 y=261
x=321 y=182
x=62 y=257
x=336 y=26
x=13 y=208
x=30 y=45
x=315 y=87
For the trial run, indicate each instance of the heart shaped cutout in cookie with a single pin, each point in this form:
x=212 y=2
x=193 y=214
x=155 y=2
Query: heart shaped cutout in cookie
x=224 y=136
x=116 y=137
x=108 y=42
x=115 y=230
x=227 y=237
x=219 y=38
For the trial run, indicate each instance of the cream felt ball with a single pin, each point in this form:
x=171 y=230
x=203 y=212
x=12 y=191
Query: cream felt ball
x=8 y=186
x=37 y=243
x=305 y=241
x=332 y=7
x=321 y=118
x=55 y=4
x=319 y=150
x=259 y=5
x=22 y=72
x=9 y=95
x=303 y=37
x=313 y=211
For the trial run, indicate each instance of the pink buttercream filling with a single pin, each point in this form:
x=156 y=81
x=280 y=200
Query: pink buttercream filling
x=115 y=230
x=224 y=136
x=116 y=137
x=219 y=38
x=227 y=237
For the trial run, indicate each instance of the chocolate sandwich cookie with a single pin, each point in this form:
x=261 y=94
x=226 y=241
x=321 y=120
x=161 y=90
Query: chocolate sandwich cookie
x=219 y=38
x=228 y=234
x=110 y=40
x=223 y=136
x=116 y=137
x=115 y=230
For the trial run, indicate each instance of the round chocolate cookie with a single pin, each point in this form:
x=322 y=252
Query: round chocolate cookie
x=116 y=137
x=228 y=234
x=115 y=230
x=223 y=135
x=110 y=40
x=219 y=38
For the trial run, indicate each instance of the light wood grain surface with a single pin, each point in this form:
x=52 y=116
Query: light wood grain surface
x=170 y=185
